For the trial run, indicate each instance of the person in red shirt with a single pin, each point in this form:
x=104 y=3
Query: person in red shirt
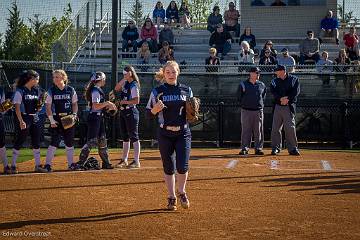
x=149 y=34
x=351 y=42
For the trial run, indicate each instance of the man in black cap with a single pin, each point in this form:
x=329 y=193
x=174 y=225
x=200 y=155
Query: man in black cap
x=285 y=89
x=286 y=60
x=251 y=94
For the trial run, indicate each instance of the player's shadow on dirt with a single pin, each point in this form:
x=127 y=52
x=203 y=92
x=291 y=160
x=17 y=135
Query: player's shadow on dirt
x=95 y=218
x=334 y=185
x=210 y=156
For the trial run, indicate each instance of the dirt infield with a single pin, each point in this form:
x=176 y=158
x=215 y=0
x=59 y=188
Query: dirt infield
x=314 y=196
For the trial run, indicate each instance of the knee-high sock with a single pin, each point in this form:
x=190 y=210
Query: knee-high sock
x=136 y=151
x=3 y=156
x=70 y=155
x=36 y=153
x=50 y=154
x=181 y=178
x=126 y=149
x=170 y=184
x=14 y=157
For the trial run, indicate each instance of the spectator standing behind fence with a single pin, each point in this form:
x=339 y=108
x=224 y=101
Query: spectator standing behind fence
x=159 y=14
x=285 y=88
x=166 y=53
x=278 y=3
x=231 y=17
x=184 y=15
x=130 y=35
x=246 y=54
x=257 y=3
x=172 y=13
x=268 y=59
x=288 y=61
x=221 y=40
x=309 y=48
x=351 y=42
x=249 y=37
x=143 y=56
x=166 y=34
x=212 y=60
x=251 y=94
x=329 y=27
x=268 y=45
x=214 y=19
x=149 y=34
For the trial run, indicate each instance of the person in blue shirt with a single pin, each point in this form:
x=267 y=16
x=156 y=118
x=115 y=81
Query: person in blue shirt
x=60 y=102
x=130 y=35
x=167 y=103
x=158 y=13
x=129 y=88
x=329 y=27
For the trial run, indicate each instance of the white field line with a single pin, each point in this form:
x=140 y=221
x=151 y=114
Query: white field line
x=232 y=164
x=326 y=165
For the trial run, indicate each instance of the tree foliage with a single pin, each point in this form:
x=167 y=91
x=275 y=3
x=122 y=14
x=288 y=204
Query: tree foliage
x=200 y=10
x=136 y=13
x=33 y=42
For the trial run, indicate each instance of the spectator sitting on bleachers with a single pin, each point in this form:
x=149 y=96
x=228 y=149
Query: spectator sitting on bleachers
x=166 y=34
x=342 y=59
x=257 y=3
x=322 y=64
x=130 y=36
x=149 y=34
x=278 y=3
x=351 y=42
x=184 y=15
x=246 y=54
x=212 y=60
x=268 y=45
x=172 y=13
x=214 y=19
x=159 y=14
x=143 y=56
x=286 y=60
x=231 y=17
x=166 y=53
x=268 y=59
x=329 y=27
x=221 y=40
x=309 y=48
x=249 y=37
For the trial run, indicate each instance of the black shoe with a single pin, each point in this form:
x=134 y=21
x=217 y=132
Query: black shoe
x=320 y=41
x=107 y=166
x=294 y=152
x=275 y=151
x=243 y=152
x=337 y=41
x=259 y=152
x=48 y=168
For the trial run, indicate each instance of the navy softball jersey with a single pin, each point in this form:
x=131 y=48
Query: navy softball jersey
x=2 y=129
x=61 y=105
x=174 y=132
x=129 y=114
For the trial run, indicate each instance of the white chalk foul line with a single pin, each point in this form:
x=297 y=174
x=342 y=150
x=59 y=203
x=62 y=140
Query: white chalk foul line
x=274 y=164
x=232 y=164
x=326 y=165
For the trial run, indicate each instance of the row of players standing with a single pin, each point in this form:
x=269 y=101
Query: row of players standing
x=166 y=103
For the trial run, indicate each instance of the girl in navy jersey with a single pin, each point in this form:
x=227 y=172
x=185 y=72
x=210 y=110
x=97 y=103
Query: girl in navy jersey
x=167 y=102
x=129 y=88
x=96 y=136
x=61 y=101
x=26 y=101
x=3 y=156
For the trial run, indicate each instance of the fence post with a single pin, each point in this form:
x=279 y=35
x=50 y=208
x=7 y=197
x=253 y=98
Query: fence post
x=87 y=16
x=221 y=124
x=344 y=109
x=77 y=31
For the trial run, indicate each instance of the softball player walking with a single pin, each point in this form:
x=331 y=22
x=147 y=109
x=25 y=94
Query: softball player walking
x=26 y=101
x=285 y=89
x=3 y=156
x=167 y=103
x=61 y=101
x=252 y=95
x=129 y=87
x=96 y=136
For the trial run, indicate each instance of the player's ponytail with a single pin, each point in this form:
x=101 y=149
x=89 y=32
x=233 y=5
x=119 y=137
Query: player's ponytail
x=134 y=75
x=25 y=77
x=160 y=75
x=94 y=79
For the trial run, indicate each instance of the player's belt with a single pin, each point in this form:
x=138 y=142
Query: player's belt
x=97 y=113
x=173 y=128
x=30 y=114
x=62 y=114
x=126 y=107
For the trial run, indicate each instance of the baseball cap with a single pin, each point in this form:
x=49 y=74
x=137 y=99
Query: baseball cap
x=284 y=50
x=280 y=68
x=254 y=69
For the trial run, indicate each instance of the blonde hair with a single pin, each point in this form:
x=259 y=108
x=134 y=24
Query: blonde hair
x=160 y=76
x=212 y=50
x=245 y=43
x=63 y=74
